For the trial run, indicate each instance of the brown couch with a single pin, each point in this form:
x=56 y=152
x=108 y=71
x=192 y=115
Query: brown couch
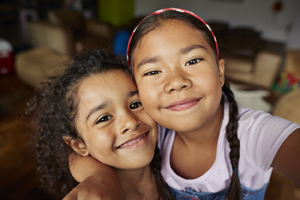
x=86 y=33
x=261 y=71
x=53 y=40
x=68 y=32
x=249 y=59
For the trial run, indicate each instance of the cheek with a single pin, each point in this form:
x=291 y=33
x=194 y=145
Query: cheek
x=147 y=96
x=209 y=80
x=99 y=144
x=146 y=102
x=151 y=122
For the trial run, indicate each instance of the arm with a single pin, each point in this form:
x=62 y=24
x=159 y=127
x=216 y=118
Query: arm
x=287 y=159
x=98 y=181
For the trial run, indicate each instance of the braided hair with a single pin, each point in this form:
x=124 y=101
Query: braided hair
x=153 y=21
x=53 y=112
x=234 y=142
x=160 y=183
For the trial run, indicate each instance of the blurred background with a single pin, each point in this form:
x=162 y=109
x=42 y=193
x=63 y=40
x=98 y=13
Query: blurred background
x=259 y=39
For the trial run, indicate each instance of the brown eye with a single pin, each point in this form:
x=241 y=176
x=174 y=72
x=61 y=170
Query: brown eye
x=193 y=61
x=151 y=73
x=103 y=118
x=135 y=105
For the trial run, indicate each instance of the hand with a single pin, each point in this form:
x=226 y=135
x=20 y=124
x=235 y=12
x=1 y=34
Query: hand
x=94 y=188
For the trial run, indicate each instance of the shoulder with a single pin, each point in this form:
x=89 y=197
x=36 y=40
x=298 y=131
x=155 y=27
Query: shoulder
x=261 y=135
x=247 y=115
x=256 y=122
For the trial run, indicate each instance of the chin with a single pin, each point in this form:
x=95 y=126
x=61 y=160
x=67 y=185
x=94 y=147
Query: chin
x=135 y=162
x=143 y=161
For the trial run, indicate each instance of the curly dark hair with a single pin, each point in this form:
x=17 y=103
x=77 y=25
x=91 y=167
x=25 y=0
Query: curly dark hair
x=53 y=111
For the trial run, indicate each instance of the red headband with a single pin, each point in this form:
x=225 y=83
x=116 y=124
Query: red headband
x=178 y=10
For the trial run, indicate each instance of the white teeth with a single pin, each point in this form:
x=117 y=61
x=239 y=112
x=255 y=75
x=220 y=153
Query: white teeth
x=132 y=142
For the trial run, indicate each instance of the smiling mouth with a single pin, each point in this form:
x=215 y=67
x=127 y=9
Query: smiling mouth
x=183 y=104
x=135 y=142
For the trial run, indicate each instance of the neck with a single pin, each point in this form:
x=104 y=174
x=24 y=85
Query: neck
x=138 y=183
x=207 y=134
x=194 y=152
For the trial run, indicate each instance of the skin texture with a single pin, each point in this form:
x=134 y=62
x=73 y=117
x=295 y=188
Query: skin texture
x=116 y=130
x=180 y=85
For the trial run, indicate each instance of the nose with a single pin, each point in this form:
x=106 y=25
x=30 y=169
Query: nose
x=128 y=122
x=177 y=81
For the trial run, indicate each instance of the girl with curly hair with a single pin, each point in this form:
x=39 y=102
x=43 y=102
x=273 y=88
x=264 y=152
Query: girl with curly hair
x=93 y=109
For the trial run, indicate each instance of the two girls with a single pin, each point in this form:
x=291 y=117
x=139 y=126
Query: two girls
x=211 y=147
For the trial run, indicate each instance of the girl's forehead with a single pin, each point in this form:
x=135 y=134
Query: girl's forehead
x=113 y=87
x=110 y=82
x=172 y=24
x=174 y=27
x=168 y=45
x=172 y=32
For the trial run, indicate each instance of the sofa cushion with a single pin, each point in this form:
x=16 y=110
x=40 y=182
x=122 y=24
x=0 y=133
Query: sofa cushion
x=288 y=106
x=267 y=67
x=266 y=70
x=292 y=63
x=35 y=65
x=47 y=35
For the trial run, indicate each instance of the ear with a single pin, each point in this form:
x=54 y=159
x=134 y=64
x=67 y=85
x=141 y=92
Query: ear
x=222 y=71
x=77 y=145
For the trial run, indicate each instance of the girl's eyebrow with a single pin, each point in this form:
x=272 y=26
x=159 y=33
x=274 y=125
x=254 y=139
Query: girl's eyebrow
x=190 y=48
x=148 y=60
x=184 y=50
x=99 y=107
x=106 y=103
x=132 y=93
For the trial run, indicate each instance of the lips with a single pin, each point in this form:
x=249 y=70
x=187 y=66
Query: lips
x=183 y=104
x=135 y=142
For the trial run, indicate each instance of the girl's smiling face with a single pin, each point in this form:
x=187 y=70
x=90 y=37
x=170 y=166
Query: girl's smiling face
x=178 y=77
x=113 y=124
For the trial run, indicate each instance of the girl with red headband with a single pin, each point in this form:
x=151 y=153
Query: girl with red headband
x=212 y=148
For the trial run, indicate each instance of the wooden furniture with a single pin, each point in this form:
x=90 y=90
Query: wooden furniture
x=260 y=69
x=54 y=40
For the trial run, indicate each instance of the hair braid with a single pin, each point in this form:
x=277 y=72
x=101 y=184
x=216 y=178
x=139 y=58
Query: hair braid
x=231 y=132
x=156 y=20
x=160 y=184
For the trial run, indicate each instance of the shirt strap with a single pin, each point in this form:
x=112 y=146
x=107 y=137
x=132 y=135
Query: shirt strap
x=165 y=135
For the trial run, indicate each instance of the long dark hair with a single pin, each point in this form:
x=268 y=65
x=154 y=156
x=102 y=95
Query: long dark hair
x=53 y=111
x=156 y=20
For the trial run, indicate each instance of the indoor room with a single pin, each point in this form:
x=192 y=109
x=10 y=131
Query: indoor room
x=259 y=41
